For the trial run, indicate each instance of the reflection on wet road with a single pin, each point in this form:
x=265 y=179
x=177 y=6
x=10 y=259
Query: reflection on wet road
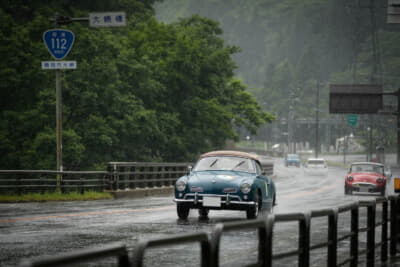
x=37 y=229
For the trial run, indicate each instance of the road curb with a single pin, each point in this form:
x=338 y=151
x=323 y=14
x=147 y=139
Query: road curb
x=143 y=192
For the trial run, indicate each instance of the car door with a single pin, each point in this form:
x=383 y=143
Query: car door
x=265 y=184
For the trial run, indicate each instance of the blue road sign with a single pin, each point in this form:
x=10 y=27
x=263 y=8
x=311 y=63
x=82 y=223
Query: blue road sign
x=59 y=42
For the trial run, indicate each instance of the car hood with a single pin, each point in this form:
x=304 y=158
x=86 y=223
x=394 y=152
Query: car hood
x=217 y=181
x=365 y=177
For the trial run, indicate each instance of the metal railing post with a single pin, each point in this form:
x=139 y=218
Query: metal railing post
x=304 y=240
x=215 y=240
x=393 y=224
x=371 y=211
x=269 y=225
x=332 y=238
x=384 y=237
x=114 y=184
x=354 y=236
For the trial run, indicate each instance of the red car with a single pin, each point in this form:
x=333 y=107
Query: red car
x=367 y=177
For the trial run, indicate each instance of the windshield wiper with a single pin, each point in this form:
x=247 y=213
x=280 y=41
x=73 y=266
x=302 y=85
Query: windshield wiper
x=212 y=164
x=237 y=165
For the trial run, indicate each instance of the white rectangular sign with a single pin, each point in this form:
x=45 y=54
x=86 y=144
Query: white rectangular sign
x=393 y=12
x=107 y=19
x=54 y=65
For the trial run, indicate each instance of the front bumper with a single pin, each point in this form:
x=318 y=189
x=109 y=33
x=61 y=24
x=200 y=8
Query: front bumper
x=228 y=202
x=365 y=187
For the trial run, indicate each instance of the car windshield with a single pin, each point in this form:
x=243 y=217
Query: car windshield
x=292 y=156
x=225 y=163
x=367 y=168
x=316 y=162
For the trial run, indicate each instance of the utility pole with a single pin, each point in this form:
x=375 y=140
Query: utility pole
x=398 y=126
x=317 y=123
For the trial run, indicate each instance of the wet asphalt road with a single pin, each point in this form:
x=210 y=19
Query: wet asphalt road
x=36 y=229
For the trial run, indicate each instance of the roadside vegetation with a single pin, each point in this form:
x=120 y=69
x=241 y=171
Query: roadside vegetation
x=149 y=91
x=54 y=196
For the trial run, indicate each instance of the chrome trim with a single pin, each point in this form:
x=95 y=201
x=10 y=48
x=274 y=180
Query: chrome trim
x=363 y=184
x=249 y=203
x=213 y=195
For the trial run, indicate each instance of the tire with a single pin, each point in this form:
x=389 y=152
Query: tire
x=182 y=211
x=347 y=190
x=203 y=213
x=383 y=191
x=252 y=212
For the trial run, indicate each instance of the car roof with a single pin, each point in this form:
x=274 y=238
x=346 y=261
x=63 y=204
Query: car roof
x=369 y=163
x=231 y=153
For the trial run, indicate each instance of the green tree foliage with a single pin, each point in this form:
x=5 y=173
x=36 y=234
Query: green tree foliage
x=291 y=44
x=146 y=92
x=288 y=47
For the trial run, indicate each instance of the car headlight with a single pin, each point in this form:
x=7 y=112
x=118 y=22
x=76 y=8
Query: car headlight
x=180 y=185
x=245 y=188
x=379 y=180
x=350 y=178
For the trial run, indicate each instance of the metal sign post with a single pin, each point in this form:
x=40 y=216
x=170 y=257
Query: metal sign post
x=59 y=120
x=59 y=42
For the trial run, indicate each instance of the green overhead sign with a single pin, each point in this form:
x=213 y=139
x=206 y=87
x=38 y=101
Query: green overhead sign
x=352 y=119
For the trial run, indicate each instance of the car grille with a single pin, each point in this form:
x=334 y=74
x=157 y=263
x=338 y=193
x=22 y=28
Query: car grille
x=230 y=190
x=196 y=189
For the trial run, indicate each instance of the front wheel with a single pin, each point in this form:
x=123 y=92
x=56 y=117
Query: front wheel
x=252 y=212
x=182 y=211
x=347 y=190
x=203 y=213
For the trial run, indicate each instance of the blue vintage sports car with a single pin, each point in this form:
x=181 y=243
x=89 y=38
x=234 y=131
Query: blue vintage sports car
x=228 y=180
x=292 y=160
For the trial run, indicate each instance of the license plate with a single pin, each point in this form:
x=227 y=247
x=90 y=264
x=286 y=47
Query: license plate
x=364 y=189
x=211 y=201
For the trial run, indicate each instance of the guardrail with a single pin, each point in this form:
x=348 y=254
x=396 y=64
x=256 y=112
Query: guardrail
x=119 y=176
x=210 y=246
x=132 y=175
x=24 y=181
x=113 y=250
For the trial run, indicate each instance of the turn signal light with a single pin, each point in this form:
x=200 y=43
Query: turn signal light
x=397 y=185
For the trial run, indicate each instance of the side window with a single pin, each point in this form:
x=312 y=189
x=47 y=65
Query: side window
x=259 y=169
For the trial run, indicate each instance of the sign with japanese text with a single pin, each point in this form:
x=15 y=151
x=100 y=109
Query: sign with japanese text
x=59 y=42
x=107 y=19
x=54 y=65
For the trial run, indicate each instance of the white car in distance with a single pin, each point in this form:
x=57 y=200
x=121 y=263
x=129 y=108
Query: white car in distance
x=315 y=166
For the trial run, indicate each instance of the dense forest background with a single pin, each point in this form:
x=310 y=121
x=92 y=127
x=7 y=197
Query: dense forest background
x=183 y=77
x=289 y=47
x=146 y=92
